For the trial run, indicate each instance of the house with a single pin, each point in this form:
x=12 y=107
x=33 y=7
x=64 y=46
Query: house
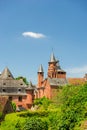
x=16 y=90
x=23 y=95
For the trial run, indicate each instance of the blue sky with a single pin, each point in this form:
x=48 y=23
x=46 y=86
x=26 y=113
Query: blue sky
x=29 y=29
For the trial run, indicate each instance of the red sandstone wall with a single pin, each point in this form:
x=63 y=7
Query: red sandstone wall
x=61 y=76
x=48 y=91
x=40 y=79
x=26 y=102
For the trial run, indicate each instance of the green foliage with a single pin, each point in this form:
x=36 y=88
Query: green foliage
x=35 y=124
x=67 y=111
x=13 y=106
x=23 y=78
x=1 y=116
x=45 y=102
x=38 y=113
x=74 y=108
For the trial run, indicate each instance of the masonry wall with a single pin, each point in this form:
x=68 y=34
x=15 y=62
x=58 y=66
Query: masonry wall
x=26 y=101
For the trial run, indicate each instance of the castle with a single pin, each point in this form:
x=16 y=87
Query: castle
x=23 y=95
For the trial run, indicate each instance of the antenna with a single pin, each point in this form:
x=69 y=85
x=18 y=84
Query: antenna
x=52 y=49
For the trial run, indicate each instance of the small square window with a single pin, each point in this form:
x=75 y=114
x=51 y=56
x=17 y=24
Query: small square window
x=10 y=98
x=20 y=98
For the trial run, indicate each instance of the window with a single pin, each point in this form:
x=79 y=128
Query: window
x=19 y=89
x=9 y=75
x=20 y=98
x=10 y=98
x=4 y=90
x=4 y=83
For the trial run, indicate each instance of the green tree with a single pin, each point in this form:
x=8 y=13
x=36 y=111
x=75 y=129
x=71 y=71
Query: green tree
x=23 y=78
x=35 y=124
x=45 y=102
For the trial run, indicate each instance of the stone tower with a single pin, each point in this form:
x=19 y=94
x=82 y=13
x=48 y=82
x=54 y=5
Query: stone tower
x=54 y=69
x=40 y=75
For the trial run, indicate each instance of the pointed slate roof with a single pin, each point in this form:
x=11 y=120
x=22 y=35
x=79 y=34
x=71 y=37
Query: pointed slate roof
x=6 y=74
x=40 y=70
x=52 y=58
x=59 y=69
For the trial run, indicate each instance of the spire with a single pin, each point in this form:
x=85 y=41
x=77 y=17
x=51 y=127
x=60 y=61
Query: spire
x=52 y=58
x=6 y=74
x=40 y=70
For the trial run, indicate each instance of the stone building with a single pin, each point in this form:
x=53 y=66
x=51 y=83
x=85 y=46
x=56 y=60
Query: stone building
x=16 y=90
x=23 y=95
x=55 y=77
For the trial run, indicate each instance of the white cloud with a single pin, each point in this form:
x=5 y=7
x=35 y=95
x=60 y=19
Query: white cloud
x=33 y=35
x=77 y=70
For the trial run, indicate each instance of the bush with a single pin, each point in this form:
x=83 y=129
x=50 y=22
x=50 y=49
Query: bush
x=45 y=102
x=13 y=106
x=1 y=116
x=35 y=124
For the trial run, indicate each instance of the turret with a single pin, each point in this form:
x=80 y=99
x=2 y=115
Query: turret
x=54 y=69
x=40 y=75
x=52 y=66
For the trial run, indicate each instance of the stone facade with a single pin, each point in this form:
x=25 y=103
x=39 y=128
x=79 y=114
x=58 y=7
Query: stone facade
x=23 y=95
x=16 y=90
x=55 y=77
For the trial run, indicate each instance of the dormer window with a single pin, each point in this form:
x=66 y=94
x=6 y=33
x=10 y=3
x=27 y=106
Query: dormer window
x=9 y=75
x=4 y=90
x=19 y=90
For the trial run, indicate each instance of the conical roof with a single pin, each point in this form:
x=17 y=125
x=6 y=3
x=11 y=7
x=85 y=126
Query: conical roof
x=59 y=69
x=52 y=58
x=6 y=74
x=40 y=70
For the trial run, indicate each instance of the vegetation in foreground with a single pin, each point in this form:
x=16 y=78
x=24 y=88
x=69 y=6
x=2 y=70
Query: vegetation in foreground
x=67 y=111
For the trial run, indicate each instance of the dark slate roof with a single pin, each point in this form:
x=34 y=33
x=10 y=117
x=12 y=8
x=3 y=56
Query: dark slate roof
x=30 y=86
x=52 y=58
x=6 y=74
x=40 y=70
x=11 y=86
x=57 y=81
x=12 y=83
x=59 y=69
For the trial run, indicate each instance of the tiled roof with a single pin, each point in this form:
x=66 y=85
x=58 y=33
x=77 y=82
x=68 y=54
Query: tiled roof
x=57 y=81
x=76 y=81
x=59 y=69
x=12 y=83
x=30 y=86
x=11 y=86
x=6 y=74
